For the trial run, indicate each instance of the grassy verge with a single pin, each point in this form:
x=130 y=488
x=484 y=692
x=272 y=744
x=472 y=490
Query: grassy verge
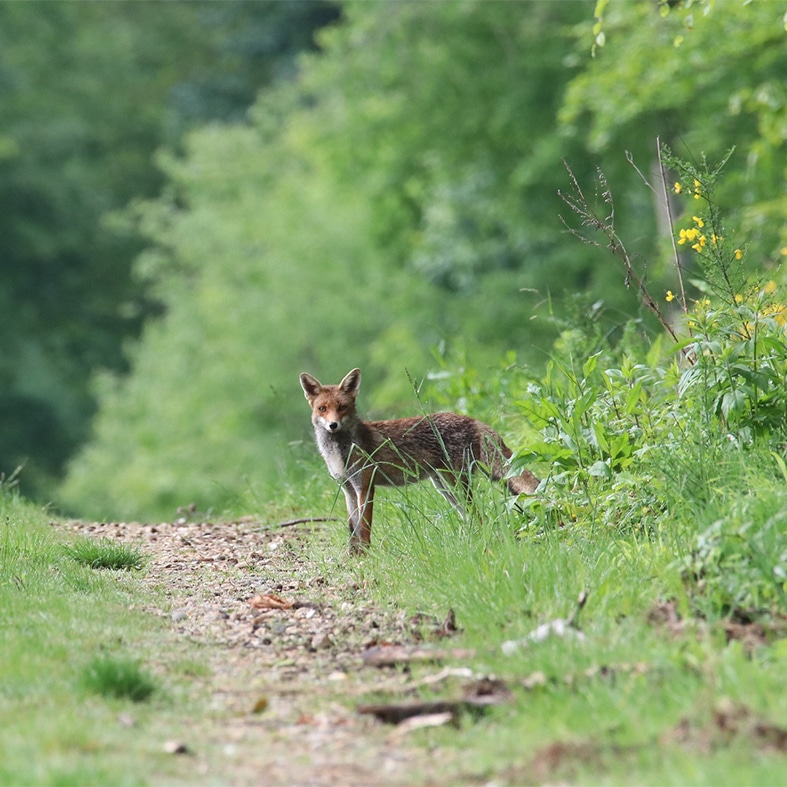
x=664 y=499
x=85 y=695
x=655 y=692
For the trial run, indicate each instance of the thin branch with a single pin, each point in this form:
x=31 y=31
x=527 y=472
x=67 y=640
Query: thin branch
x=580 y=206
x=630 y=159
x=668 y=208
x=291 y=522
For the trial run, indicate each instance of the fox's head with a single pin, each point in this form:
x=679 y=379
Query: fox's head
x=333 y=406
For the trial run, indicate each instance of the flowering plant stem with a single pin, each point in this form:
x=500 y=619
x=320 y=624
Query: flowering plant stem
x=606 y=226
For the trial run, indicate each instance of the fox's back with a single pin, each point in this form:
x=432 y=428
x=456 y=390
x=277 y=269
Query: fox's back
x=409 y=448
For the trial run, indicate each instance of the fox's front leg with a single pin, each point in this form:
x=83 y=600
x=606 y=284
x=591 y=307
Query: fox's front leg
x=351 y=500
x=359 y=494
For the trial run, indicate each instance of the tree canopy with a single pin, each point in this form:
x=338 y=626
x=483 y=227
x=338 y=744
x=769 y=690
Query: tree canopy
x=88 y=93
x=401 y=195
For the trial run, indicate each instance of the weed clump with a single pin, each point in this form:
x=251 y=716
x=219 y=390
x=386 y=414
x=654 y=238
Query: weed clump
x=105 y=553
x=119 y=678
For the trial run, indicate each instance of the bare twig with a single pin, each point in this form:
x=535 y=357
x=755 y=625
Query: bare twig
x=630 y=159
x=606 y=226
x=302 y=520
x=668 y=208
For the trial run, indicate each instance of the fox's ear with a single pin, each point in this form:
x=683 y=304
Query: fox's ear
x=351 y=382
x=311 y=385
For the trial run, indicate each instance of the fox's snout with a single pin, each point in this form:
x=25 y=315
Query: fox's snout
x=330 y=419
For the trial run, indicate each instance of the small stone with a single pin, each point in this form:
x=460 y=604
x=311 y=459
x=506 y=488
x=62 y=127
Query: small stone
x=320 y=641
x=176 y=747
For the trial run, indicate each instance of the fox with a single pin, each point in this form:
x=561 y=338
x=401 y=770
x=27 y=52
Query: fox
x=444 y=447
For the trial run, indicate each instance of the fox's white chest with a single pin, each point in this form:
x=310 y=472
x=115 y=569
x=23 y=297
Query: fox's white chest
x=334 y=455
x=335 y=461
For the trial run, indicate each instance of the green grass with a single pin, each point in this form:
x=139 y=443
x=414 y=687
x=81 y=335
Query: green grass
x=105 y=553
x=74 y=657
x=633 y=703
x=122 y=678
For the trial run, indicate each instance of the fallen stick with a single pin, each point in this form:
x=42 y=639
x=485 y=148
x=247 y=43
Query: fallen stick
x=302 y=520
x=392 y=655
x=397 y=712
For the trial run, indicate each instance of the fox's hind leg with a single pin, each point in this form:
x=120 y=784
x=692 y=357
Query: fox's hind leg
x=447 y=484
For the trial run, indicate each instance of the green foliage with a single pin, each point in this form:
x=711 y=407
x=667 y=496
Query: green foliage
x=645 y=437
x=89 y=93
x=679 y=434
x=105 y=553
x=739 y=561
x=672 y=77
x=58 y=613
x=402 y=194
x=215 y=397
x=117 y=677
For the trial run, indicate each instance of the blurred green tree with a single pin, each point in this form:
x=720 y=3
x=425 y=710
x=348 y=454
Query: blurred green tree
x=88 y=93
x=401 y=193
x=704 y=78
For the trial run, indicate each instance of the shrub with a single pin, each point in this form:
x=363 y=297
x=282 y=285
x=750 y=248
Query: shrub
x=647 y=437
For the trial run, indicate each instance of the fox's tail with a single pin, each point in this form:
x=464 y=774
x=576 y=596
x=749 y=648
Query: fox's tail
x=523 y=484
x=496 y=453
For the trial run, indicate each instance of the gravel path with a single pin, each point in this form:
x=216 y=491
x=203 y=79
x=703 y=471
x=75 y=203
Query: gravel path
x=284 y=651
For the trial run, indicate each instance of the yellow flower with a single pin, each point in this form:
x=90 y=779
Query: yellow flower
x=770 y=288
x=700 y=244
x=670 y=296
x=697 y=185
x=698 y=221
x=677 y=188
x=738 y=298
x=690 y=234
x=738 y=254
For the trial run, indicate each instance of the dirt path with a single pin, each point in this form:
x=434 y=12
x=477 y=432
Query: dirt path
x=284 y=684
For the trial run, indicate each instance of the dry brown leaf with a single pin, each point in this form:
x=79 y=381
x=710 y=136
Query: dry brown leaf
x=269 y=601
x=260 y=705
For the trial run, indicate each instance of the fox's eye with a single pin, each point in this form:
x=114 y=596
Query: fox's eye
x=322 y=408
